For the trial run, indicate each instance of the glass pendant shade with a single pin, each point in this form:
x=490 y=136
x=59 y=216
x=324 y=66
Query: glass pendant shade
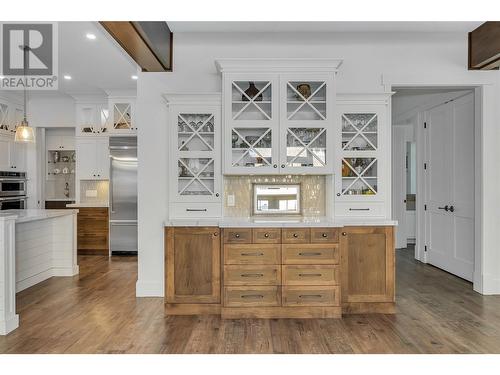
x=24 y=133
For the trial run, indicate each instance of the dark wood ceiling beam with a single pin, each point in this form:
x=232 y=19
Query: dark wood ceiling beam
x=484 y=47
x=149 y=43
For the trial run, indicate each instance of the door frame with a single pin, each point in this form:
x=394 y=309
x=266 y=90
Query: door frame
x=482 y=94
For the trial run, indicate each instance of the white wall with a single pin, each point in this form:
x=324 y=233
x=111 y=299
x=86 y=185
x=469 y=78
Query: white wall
x=372 y=63
x=51 y=110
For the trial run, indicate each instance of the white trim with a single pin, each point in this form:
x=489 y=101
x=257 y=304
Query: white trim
x=208 y=98
x=366 y=98
x=246 y=65
x=145 y=288
x=8 y=325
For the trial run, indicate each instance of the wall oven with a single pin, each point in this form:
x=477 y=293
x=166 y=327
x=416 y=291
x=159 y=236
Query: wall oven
x=12 y=190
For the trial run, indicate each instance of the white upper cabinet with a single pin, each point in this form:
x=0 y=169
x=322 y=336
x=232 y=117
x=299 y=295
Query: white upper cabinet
x=12 y=154
x=92 y=118
x=121 y=115
x=278 y=115
x=60 y=142
x=195 y=159
x=92 y=162
x=363 y=155
x=5 y=143
x=5 y=118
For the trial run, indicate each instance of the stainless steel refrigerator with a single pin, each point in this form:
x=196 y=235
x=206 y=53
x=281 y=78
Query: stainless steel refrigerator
x=123 y=195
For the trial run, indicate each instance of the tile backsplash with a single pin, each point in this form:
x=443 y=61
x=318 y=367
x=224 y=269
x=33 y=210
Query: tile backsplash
x=312 y=193
x=101 y=189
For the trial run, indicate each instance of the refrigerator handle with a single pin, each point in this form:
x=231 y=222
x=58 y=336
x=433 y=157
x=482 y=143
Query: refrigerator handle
x=111 y=184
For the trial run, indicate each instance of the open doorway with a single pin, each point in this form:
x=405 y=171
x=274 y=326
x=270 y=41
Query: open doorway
x=433 y=165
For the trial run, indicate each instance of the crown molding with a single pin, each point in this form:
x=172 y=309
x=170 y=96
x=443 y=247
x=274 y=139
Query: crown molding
x=225 y=65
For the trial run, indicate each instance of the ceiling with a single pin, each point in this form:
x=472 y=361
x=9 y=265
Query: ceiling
x=354 y=26
x=95 y=66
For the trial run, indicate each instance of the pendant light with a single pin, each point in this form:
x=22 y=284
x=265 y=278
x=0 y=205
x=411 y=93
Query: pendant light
x=24 y=132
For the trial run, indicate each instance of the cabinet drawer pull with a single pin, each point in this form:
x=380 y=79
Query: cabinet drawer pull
x=266 y=235
x=324 y=235
x=252 y=275
x=310 y=296
x=310 y=274
x=256 y=296
x=295 y=235
x=252 y=254
x=196 y=209
x=310 y=254
x=237 y=235
x=359 y=209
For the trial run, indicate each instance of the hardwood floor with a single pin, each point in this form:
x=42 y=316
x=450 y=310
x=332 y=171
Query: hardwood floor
x=97 y=312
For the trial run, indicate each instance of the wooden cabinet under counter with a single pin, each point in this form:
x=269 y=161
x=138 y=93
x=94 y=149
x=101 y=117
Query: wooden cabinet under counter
x=93 y=231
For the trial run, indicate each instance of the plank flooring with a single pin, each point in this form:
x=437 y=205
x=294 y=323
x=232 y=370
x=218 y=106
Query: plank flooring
x=97 y=312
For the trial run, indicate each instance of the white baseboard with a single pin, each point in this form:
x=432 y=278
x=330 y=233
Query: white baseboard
x=9 y=325
x=33 y=280
x=145 y=288
x=491 y=285
x=65 y=271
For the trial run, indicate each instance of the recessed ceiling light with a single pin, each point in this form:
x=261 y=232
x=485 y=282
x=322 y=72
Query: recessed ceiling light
x=2 y=77
x=67 y=77
x=90 y=36
x=134 y=77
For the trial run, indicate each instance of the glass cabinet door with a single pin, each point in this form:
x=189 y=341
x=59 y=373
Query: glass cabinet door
x=306 y=147
x=306 y=100
x=359 y=176
x=252 y=148
x=251 y=101
x=121 y=113
x=4 y=117
x=196 y=163
x=359 y=132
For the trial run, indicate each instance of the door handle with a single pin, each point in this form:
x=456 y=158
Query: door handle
x=446 y=208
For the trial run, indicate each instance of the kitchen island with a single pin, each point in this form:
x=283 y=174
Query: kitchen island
x=34 y=246
x=279 y=267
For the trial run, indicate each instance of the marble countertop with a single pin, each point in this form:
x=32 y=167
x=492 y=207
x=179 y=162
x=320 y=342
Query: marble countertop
x=279 y=222
x=24 y=216
x=95 y=204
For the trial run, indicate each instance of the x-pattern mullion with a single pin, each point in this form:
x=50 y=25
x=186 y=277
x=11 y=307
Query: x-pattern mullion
x=196 y=132
x=306 y=147
x=251 y=147
x=3 y=114
x=196 y=176
x=359 y=176
x=359 y=131
x=251 y=101
x=122 y=114
x=306 y=101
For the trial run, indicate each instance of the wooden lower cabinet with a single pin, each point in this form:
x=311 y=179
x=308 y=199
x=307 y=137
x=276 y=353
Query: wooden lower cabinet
x=193 y=270
x=368 y=269
x=309 y=273
x=93 y=231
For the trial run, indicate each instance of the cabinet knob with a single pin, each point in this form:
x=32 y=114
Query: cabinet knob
x=216 y=234
x=344 y=233
x=275 y=165
x=324 y=235
x=295 y=235
x=282 y=165
x=216 y=194
x=266 y=235
x=338 y=194
x=237 y=235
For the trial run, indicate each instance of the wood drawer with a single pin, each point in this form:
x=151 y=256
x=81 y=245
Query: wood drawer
x=266 y=235
x=195 y=210
x=311 y=296
x=359 y=209
x=324 y=235
x=310 y=275
x=237 y=235
x=296 y=235
x=252 y=275
x=252 y=254
x=310 y=254
x=256 y=296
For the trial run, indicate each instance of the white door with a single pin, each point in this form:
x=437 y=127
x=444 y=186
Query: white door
x=450 y=187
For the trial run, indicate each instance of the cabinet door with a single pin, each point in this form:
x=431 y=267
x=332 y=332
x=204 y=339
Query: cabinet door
x=368 y=269
x=102 y=158
x=53 y=142
x=121 y=112
x=67 y=142
x=4 y=117
x=5 y=153
x=193 y=265
x=196 y=154
x=251 y=133
x=18 y=156
x=86 y=159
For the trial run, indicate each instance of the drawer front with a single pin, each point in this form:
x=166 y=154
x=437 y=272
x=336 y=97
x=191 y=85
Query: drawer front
x=296 y=235
x=252 y=275
x=269 y=235
x=195 y=210
x=310 y=254
x=325 y=235
x=310 y=275
x=237 y=235
x=311 y=296
x=252 y=254
x=359 y=209
x=246 y=296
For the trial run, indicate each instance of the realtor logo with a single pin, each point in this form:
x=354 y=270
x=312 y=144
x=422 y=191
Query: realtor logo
x=29 y=56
